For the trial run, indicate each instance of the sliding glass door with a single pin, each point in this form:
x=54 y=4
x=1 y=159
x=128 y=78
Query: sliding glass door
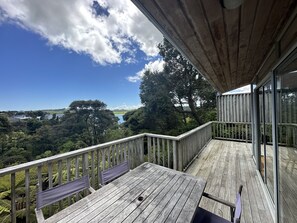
x=286 y=75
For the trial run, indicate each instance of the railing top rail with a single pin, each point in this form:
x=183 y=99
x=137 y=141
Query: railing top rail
x=182 y=136
x=245 y=93
x=162 y=136
x=288 y=124
x=186 y=134
x=221 y=122
x=64 y=156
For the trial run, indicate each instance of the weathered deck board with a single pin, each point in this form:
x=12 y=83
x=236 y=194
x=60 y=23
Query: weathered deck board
x=225 y=165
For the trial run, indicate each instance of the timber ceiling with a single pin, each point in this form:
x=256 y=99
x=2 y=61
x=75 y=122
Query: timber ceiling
x=226 y=46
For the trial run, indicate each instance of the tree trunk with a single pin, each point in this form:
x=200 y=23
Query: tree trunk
x=192 y=106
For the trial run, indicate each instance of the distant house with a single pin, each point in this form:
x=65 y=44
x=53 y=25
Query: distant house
x=48 y=116
x=16 y=118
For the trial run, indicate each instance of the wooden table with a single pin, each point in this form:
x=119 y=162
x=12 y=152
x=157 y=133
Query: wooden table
x=149 y=193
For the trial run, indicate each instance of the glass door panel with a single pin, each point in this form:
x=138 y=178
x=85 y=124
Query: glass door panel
x=287 y=138
x=265 y=111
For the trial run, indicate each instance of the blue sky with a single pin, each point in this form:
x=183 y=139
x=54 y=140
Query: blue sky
x=55 y=52
x=47 y=63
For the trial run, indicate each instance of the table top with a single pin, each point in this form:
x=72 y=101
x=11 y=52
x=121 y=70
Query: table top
x=148 y=193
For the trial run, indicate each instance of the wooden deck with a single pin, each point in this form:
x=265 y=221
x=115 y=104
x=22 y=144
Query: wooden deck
x=225 y=165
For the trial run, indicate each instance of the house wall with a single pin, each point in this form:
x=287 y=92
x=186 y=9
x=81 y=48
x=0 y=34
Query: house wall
x=237 y=108
x=234 y=108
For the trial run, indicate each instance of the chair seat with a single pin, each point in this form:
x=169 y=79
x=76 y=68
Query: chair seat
x=204 y=216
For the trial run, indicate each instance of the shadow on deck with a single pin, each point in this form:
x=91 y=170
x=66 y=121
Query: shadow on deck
x=225 y=165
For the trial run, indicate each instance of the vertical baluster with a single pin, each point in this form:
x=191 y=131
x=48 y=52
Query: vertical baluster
x=86 y=164
x=118 y=152
x=135 y=149
x=148 y=149
x=168 y=153
x=154 y=150
x=60 y=178
x=159 y=155
x=134 y=152
x=129 y=154
x=68 y=165
x=246 y=133
x=27 y=186
x=174 y=155
x=98 y=168
x=108 y=156
x=163 y=151
x=141 y=150
x=39 y=175
x=50 y=182
x=76 y=173
x=113 y=155
x=86 y=168
x=132 y=149
x=93 y=168
x=138 y=152
x=13 y=197
x=103 y=159
x=125 y=151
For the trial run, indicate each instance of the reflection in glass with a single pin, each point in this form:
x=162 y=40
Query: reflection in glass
x=287 y=138
x=265 y=109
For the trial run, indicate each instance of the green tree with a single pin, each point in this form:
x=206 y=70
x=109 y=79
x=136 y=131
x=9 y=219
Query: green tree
x=136 y=120
x=5 y=125
x=90 y=119
x=158 y=107
x=187 y=87
x=33 y=125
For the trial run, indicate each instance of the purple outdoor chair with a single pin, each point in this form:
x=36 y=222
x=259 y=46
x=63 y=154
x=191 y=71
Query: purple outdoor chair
x=52 y=195
x=204 y=216
x=114 y=172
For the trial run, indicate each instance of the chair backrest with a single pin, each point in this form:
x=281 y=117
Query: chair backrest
x=238 y=207
x=52 y=195
x=114 y=172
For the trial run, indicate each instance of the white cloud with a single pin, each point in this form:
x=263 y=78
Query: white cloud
x=108 y=37
x=154 y=66
x=126 y=107
x=244 y=89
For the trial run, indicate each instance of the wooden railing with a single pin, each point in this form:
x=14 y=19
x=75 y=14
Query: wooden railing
x=287 y=134
x=242 y=131
x=20 y=181
x=178 y=152
x=238 y=131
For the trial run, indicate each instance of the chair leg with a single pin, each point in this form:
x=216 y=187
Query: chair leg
x=231 y=213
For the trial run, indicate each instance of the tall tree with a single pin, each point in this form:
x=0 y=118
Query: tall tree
x=91 y=118
x=5 y=126
x=158 y=107
x=187 y=86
